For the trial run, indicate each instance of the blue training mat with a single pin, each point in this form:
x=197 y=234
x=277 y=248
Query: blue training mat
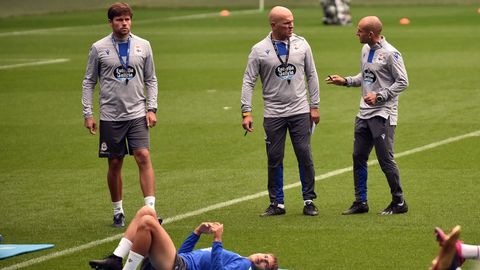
x=10 y=250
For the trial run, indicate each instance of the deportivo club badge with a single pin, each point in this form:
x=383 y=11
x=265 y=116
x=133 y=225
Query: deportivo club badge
x=122 y=75
x=103 y=147
x=285 y=72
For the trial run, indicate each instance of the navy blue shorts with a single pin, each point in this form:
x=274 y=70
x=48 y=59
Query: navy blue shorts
x=179 y=264
x=116 y=135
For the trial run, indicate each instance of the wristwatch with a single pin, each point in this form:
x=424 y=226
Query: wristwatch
x=154 y=110
x=379 y=98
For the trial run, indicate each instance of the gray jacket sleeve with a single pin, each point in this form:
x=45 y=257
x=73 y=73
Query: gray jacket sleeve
x=312 y=79
x=89 y=82
x=249 y=80
x=399 y=74
x=354 y=81
x=150 y=79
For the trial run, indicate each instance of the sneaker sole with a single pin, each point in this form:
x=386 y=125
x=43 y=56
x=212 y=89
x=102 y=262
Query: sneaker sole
x=354 y=213
x=391 y=213
x=272 y=215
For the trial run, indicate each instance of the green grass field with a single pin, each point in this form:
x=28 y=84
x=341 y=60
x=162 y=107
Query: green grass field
x=53 y=187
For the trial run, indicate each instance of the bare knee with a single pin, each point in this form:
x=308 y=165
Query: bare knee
x=147 y=223
x=146 y=211
x=142 y=154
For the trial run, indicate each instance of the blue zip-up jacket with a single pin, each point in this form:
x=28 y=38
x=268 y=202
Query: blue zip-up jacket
x=214 y=258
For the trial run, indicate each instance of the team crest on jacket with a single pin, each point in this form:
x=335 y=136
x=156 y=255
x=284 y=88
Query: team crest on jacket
x=121 y=74
x=138 y=50
x=381 y=59
x=285 y=72
x=369 y=76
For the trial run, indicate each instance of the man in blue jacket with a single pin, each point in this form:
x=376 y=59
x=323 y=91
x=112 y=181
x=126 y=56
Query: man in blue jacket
x=145 y=238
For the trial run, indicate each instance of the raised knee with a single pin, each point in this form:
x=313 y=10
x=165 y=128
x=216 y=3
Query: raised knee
x=146 y=211
x=147 y=222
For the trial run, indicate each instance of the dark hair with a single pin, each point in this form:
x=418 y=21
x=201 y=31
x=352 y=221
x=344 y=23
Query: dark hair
x=119 y=9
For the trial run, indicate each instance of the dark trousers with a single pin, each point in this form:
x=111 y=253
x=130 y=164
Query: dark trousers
x=298 y=127
x=377 y=132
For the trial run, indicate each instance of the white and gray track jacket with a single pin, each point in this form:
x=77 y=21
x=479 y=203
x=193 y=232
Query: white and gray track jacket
x=120 y=101
x=281 y=97
x=382 y=72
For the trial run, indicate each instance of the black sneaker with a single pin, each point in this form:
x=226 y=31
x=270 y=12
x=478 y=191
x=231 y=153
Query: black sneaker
x=111 y=262
x=395 y=208
x=310 y=209
x=273 y=210
x=356 y=208
x=118 y=220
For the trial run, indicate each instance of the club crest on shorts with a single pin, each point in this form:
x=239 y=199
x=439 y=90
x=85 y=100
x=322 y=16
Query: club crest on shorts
x=103 y=147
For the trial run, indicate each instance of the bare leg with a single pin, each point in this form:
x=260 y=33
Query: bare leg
x=114 y=178
x=447 y=251
x=124 y=247
x=147 y=179
x=151 y=239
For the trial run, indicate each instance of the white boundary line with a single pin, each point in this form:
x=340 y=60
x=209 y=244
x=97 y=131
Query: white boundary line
x=231 y=202
x=36 y=63
x=176 y=18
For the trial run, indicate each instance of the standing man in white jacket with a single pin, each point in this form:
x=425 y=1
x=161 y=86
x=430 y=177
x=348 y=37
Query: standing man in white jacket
x=382 y=78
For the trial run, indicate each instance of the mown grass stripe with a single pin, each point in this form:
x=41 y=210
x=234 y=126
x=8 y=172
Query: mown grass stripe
x=232 y=202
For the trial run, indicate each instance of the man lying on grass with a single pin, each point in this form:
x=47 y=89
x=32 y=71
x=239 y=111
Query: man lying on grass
x=145 y=240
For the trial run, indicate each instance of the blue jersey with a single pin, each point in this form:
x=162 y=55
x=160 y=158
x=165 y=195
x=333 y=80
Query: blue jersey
x=214 y=258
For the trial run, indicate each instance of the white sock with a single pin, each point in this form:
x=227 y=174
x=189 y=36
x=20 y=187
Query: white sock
x=307 y=201
x=471 y=252
x=134 y=260
x=117 y=207
x=123 y=248
x=280 y=205
x=150 y=201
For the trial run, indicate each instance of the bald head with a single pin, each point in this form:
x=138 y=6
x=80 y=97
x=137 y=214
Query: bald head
x=281 y=21
x=371 y=24
x=369 y=29
x=278 y=13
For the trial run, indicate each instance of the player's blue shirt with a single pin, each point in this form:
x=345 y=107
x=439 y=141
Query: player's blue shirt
x=214 y=258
